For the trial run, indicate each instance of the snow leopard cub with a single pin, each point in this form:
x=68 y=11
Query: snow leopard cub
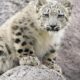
x=33 y=33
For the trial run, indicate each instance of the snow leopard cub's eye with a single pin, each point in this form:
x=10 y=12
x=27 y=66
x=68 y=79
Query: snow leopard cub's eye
x=46 y=15
x=60 y=14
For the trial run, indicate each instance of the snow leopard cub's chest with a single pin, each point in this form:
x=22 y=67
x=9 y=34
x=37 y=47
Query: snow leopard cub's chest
x=47 y=41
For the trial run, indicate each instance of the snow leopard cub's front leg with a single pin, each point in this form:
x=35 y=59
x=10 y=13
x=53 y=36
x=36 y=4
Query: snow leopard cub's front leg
x=50 y=61
x=23 y=42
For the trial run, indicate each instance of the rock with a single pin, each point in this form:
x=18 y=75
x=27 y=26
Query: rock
x=31 y=73
x=69 y=53
x=10 y=7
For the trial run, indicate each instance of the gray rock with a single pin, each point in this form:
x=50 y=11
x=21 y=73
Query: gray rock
x=69 y=53
x=31 y=73
x=10 y=7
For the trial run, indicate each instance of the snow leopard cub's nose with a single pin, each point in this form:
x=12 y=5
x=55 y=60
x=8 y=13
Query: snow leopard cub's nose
x=54 y=27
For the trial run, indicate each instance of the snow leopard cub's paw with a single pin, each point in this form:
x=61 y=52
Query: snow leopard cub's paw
x=29 y=60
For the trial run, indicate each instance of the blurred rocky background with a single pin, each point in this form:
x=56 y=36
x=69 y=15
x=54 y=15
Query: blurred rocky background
x=10 y=7
x=69 y=53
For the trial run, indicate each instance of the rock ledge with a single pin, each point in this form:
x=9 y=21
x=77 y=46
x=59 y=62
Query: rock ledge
x=31 y=73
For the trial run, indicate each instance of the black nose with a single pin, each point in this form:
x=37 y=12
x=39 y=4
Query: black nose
x=52 y=26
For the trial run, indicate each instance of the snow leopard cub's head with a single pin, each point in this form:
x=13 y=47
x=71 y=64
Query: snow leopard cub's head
x=54 y=15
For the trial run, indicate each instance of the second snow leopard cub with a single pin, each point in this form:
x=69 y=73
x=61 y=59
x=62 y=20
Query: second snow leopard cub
x=33 y=32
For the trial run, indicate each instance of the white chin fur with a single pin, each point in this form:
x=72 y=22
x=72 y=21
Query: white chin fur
x=56 y=38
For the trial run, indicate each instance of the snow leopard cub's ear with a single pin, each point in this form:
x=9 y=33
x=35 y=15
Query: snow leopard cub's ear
x=39 y=4
x=68 y=5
